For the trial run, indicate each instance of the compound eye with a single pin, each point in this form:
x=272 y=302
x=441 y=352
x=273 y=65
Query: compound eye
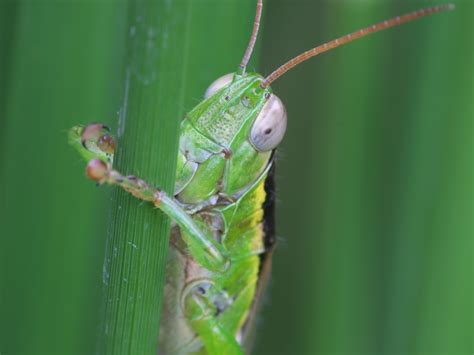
x=219 y=84
x=269 y=126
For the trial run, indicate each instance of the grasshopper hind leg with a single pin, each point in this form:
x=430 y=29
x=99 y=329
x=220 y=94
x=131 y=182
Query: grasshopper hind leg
x=202 y=306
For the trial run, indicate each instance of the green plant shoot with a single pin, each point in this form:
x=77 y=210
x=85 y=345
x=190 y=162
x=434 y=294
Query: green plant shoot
x=222 y=233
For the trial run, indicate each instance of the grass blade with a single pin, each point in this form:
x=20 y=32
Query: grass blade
x=161 y=71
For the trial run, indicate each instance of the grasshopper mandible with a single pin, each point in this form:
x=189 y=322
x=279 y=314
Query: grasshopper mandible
x=222 y=235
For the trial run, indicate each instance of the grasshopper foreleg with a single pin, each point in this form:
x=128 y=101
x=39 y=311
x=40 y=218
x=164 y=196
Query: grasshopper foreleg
x=208 y=252
x=96 y=146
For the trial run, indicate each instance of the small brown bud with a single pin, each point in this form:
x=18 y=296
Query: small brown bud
x=96 y=170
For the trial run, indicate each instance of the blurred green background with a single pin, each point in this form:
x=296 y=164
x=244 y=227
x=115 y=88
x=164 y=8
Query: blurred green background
x=375 y=175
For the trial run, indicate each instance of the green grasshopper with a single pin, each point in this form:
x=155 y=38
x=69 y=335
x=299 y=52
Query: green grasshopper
x=221 y=207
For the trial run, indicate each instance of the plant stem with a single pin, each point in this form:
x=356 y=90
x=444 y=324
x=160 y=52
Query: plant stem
x=148 y=137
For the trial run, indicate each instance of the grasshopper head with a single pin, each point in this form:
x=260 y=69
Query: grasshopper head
x=265 y=112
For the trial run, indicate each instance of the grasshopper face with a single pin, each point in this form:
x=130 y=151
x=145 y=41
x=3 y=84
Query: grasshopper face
x=270 y=125
x=268 y=121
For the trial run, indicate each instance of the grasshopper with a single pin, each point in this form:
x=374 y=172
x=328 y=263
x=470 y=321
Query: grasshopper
x=221 y=208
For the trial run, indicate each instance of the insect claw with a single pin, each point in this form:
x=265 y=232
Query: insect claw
x=97 y=170
x=96 y=136
x=106 y=143
x=92 y=132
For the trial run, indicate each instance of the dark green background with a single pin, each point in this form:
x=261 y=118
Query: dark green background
x=375 y=175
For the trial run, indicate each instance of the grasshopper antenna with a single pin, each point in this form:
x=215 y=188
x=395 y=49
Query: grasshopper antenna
x=351 y=37
x=253 y=36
